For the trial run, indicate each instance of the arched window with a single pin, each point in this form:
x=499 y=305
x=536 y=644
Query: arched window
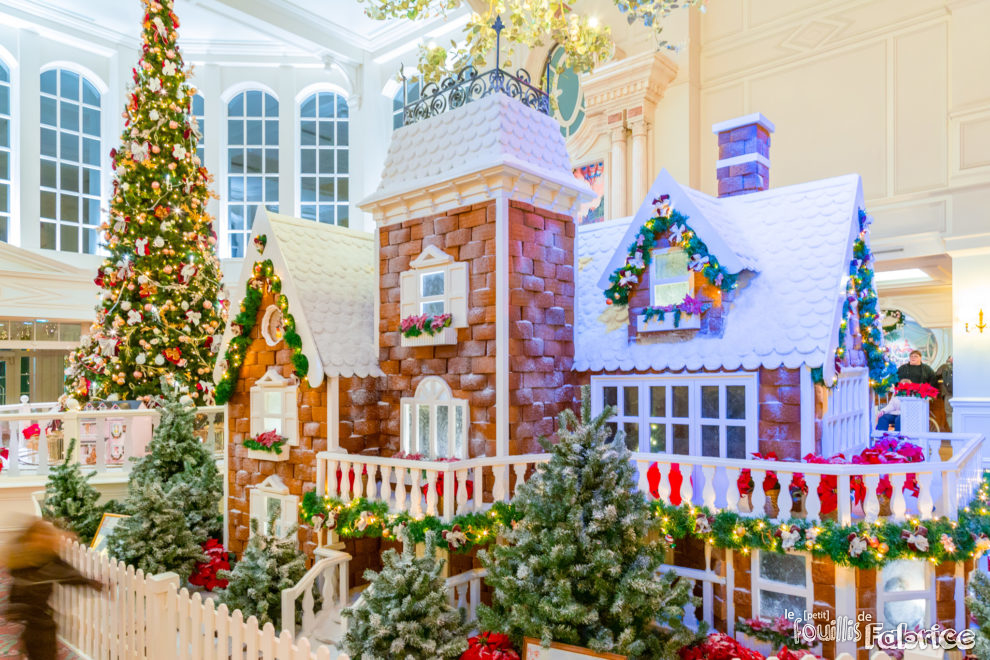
x=252 y=163
x=199 y=112
x=434 y=423
x=323 y=158
x=70 y=162
x=412 y=95
x=5 y=155
x=565 y=89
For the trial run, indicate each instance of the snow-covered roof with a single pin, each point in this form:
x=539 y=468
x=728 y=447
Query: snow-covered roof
x=487 y=132
x=328 y=276
x=797 y=240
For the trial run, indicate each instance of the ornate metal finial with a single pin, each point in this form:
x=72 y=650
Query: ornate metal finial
x=548 y=75
x=498 y=26
x=402 y=74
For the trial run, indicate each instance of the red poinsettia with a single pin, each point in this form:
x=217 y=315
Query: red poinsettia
x=490 y=646
x=827 y=485
x=888 y=450
x=468 y=486
x=786 y=654
x=205 y=573
x=719 y=646
x=4 y=453
x=745 y=480
x=916 y=390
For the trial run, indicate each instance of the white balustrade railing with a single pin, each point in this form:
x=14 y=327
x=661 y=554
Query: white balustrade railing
x=329 y=575
x=705 y=577
x=464 y=591
x=106 y=440
x=435 y=488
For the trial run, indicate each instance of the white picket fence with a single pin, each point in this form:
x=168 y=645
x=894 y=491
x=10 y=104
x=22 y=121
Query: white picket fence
x=139 y=617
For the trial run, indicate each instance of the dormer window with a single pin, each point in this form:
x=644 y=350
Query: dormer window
x=274 y=406
x=670 y=279
x=434 y=286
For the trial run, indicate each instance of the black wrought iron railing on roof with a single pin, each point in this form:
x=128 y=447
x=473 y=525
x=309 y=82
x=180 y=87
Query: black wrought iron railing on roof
x=469 y=85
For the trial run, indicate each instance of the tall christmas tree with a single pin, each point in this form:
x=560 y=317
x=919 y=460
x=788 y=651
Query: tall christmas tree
x=581 y=565
x=160 y=312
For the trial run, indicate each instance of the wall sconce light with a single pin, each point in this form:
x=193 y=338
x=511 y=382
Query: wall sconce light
x=979 y=325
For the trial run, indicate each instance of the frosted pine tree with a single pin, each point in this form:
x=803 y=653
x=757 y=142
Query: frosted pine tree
x=405 y=612
x=160 y=313
x=978 y=603
x=581 y=565
x=155 y=538
x=270 y=564
x=177 y=458
x=70 y=500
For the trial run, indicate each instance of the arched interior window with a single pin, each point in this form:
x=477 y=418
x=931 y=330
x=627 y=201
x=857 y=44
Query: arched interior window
x=434 y=423
x=5 y=154
x=199 y=112
x=252 y=163
x=323 y=158
x=70 y=162
x=413 y=94
x=566 y=91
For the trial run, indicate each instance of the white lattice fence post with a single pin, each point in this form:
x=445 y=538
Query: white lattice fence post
x=162 y=596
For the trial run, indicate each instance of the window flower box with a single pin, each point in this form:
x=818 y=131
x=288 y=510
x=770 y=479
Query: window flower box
x=446 y=335
x=654 y=324
x=267 y=446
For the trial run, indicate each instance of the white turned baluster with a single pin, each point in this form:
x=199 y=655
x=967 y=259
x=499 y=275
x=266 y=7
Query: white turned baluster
x=431 y=493
x=687 y=490
x=479 y=488
x=462 y=495
x=520 y=470
x=345 y=481
x=664 y=488
x=415 y=494
x=898 y=506
x=400 y=489
x=358 y=487
x=812 y=503
x=842 y=493
x=871 y=505
x=784 y=502
x=500 y=490
x=949 y=499
x=387 y=486
x=925 y=503
x=321 y=478
x=642 y=483
x=732 y=489
x=334 y=490
x=309 y=616
x=708 y=493
x=759 y=498
x=371 y=490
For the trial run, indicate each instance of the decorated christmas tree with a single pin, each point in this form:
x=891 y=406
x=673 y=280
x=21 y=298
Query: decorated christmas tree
x=160 y=313
x=270 y=564
x=176 y=459
x=155 y=537
x=71 y=501
x=978 y=603
x=581 y=565
x=405 y=612
x=173 y=496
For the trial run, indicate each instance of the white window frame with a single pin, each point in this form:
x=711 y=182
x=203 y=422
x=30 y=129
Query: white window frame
x=928 y=593
x=434 y=393
x=284 y=390
x=13 y=233
x=761 y=583
x=655 y=278
x=273 y=488
x=441 y=298
x=694 y=420
x=339 y=206
x=200 y=125
x=226 y=232
x=59 y=190
x=431 y=261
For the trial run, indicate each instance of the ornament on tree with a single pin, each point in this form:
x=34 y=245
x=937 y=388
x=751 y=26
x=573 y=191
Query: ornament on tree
x=916 y=540
x=789 y=538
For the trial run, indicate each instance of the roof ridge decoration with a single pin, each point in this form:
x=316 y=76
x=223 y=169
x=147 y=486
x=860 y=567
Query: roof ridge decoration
x=672 y=223
x=242 y=325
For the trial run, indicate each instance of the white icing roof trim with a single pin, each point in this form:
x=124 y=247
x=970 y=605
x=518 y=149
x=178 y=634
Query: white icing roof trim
x=785 y=315
x=328 y=275
x=491 y=131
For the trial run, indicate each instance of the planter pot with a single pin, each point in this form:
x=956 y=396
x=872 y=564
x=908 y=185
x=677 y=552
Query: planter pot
x=687 y=322
x=446 y=336
x=771 y=508
x=914 y=415
x=259 y=455
x=797 y=507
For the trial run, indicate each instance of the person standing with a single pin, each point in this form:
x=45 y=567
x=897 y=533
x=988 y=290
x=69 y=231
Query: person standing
x=916 y=371
x=36 y=568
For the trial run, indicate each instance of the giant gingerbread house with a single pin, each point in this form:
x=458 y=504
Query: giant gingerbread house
x=733 y=335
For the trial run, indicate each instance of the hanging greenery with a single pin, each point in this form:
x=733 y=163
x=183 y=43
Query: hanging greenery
x=680 y=235
x=264 y=278
x=529 y=23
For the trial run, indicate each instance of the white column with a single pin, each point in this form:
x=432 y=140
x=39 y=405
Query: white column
x=640 y=163
x=618 y=174
x=971 y=349
x=29 y=146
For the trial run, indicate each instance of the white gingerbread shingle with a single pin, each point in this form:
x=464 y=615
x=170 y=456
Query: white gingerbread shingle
x=799 y=243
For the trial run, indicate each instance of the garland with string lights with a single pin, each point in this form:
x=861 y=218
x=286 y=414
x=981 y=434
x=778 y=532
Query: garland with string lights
x=859 y=545
x=264 y=277
x=641 y=253
x=361 y=518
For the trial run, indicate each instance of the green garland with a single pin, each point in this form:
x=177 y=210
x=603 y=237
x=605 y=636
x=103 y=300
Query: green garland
x=244 y=322
x=967 y=537
x=480 y=529
x=641 y=253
